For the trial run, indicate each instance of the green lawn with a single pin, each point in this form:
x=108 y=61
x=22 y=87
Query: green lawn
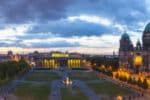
x=73 y=94
x=84 y=76
x=109 y=89
x=5 y=82
x=28 y=91
x=43 y=76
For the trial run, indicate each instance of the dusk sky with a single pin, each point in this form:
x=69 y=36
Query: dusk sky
x=85 y=26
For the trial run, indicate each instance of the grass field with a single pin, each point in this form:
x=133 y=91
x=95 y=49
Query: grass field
x=40 y=90
x=108 y=89
x=43 y=76
x=5 y=82
x=73 y=94
x=84 y=76
x=28 y=91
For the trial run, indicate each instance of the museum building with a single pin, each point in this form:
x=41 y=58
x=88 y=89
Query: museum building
x=56 y=60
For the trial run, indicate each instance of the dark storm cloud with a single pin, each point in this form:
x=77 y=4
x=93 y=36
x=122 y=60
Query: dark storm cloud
x=42 y=10
x=120 y=10
x=128 y=13
x=50 y=16
x=69 y=29
x=30 y=10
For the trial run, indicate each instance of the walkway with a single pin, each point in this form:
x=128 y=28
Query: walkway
x=55 y=90
x=56 y=85
x=89 y=93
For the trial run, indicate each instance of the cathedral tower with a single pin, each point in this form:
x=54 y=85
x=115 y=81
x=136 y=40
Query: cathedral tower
x=126 y=51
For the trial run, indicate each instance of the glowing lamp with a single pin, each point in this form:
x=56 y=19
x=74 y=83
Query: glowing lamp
x=119 y=98
x=138 y=61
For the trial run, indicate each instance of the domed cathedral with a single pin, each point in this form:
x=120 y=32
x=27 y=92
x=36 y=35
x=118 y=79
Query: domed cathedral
x=136 y=58
x=146 y=47
x=126 y=51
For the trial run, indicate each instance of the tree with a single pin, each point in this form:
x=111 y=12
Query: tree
x=11 y=69
x=124 y=78
x=139 y=82
x=129 y=80
x=133 y=81
x=117 y=75
x=145 y=84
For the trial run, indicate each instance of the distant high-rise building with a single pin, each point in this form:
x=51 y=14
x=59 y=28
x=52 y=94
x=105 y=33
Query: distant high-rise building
x=135 y=57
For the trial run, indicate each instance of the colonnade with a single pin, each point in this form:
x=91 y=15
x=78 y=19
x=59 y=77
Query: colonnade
x=74 y=63
x=53 y=63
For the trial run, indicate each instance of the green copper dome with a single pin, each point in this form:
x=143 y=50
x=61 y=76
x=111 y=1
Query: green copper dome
x=125 y=43
x=146 y=37
x=147 y=28
x=125 y=36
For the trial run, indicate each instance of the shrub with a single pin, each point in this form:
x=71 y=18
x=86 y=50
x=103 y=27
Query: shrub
x=139 y=82
x=145 y=84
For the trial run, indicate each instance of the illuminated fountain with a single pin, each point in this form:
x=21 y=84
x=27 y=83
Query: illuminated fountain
x=67 y=81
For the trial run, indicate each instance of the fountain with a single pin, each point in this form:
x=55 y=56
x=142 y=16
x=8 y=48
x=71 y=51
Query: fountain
x=67 y=81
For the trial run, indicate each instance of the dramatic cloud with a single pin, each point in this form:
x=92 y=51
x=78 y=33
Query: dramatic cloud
x=91 y=19
x=91 y=26
x=66 y=28
x=31 y=10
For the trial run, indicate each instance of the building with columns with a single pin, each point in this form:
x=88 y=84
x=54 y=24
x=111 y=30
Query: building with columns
x=138 y=57
x=56 y=60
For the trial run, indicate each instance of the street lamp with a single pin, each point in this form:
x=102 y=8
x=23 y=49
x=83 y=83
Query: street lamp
x=119 y=98
x=138 y=62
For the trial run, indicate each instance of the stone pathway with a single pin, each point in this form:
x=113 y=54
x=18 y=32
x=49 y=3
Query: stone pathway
x=56 y=85
x=55 y=90
x=89 y=93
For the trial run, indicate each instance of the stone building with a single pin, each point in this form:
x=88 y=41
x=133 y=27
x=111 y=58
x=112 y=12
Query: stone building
x=138 y=57
x=57 y=60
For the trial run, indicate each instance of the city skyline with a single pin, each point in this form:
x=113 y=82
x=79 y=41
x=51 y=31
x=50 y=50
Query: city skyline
x=90 y=26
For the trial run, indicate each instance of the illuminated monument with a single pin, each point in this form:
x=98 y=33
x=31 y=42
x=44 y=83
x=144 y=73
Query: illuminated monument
x=137 y=58
x=56 y=60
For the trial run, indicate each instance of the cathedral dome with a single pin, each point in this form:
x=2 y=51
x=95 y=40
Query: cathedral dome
x=147 y=28
x=146 y=37
x=125 y=36
x=125 y=43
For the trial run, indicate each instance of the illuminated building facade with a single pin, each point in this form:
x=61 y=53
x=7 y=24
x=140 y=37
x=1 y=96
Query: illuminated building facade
x=138 y=57
x=56 y=60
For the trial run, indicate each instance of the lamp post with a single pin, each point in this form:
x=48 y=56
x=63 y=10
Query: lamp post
x=137 y=63
x=119 y=98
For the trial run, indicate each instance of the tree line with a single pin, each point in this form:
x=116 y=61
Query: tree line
x=106 y=61
x=12 y=69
